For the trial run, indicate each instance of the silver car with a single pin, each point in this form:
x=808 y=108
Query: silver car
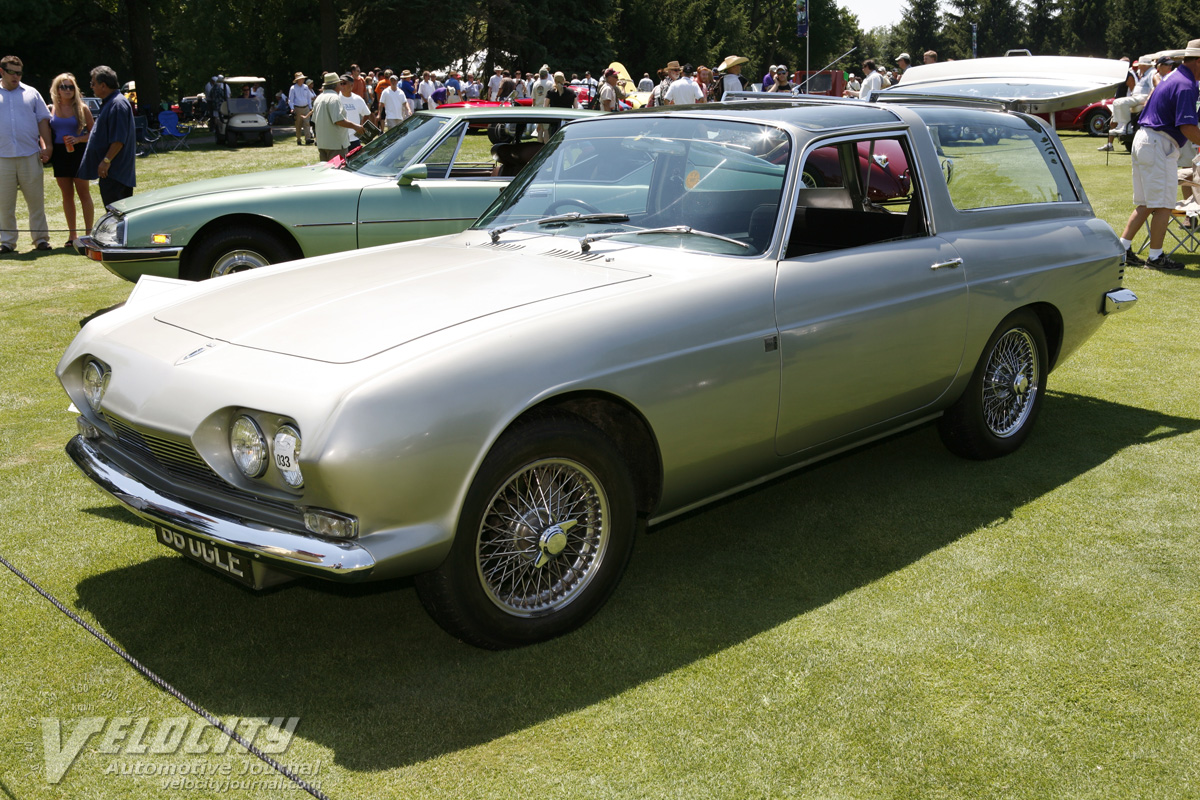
x=656 y=313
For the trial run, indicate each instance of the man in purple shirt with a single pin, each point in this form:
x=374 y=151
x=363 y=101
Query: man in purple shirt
x=1167 y=122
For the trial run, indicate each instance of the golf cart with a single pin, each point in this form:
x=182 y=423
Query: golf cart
x=242 y=118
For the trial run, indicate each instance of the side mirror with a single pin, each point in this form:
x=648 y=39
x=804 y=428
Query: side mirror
x=414 y=172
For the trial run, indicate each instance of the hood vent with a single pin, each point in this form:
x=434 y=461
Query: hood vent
x=502 y=246
x=574 y=255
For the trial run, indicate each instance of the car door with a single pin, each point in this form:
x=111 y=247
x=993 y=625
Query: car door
x=871 y=307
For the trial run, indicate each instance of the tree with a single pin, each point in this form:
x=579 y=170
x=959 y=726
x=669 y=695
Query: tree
x=1043 y=20
x=1133 y=28
x=1085 y=25
x=920 y=28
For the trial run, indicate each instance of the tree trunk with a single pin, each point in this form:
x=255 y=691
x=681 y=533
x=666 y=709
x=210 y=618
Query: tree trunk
x=141 y=53
x=329 y=38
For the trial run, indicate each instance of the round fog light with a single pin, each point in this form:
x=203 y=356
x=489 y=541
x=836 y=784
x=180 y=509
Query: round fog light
x=248 y=446
x=287 y=455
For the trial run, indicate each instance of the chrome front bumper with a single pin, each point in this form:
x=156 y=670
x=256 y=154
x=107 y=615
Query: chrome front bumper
x=98 y=252
x=286 y=551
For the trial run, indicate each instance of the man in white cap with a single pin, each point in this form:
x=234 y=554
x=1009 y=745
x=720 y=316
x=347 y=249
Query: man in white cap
x=494 y=84
x=1167 y=122
x=903 y=62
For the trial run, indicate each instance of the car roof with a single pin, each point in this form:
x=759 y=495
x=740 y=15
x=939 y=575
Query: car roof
x=813 y=113
x=507 y=111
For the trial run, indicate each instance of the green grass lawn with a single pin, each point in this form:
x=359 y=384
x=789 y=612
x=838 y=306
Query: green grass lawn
x=894 y=623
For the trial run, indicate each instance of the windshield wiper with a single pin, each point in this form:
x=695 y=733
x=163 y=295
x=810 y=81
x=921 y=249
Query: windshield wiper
x=585 y=243
x=573 y=216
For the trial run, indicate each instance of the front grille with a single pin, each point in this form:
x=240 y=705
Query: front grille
x=179 y=460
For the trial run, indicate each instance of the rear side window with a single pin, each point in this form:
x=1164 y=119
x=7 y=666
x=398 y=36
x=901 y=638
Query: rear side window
x=991 y=159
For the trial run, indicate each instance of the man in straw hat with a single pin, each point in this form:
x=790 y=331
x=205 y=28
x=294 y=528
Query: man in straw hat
x=329 y=120
x=1168 y=121
x=671 y=74
x=732 y=79
x=300 y=98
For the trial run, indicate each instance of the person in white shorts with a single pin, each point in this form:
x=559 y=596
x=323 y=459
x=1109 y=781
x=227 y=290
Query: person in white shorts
x=1168 y=121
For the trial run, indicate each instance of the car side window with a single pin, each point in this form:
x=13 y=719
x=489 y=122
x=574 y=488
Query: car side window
x=856 y=192
x=992 y=159
x=442 y=158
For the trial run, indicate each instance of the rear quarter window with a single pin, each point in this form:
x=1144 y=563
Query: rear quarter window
x=991 y=159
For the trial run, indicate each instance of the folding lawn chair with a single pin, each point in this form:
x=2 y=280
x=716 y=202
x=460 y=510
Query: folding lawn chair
x=144 y=136
x=168 y=126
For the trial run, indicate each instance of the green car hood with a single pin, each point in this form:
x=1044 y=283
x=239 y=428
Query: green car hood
x=292 y=178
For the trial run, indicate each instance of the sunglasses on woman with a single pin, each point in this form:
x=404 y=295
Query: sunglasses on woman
x=66 y=87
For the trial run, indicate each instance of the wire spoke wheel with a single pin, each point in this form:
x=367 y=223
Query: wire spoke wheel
x=997 y=409
x=543 y=537
x=545 y=532
x=1010 y=383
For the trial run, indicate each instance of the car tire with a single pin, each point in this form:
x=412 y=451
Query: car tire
x=1096 y=122
x=996 y=412
x=267 y=139
x=231 y=138
x=812 y=179
x=991 y=135
x=235 y=249
x=517 y=574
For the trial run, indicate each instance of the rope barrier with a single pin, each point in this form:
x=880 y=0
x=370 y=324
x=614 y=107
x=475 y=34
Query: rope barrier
x=168 y=688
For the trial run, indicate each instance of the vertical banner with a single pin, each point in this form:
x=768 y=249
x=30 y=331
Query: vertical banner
x=802 y=18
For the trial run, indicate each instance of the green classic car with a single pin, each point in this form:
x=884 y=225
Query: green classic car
x=432 y=175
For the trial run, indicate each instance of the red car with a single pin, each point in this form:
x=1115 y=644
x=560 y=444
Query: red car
x=888 y=169
x=1092 y=119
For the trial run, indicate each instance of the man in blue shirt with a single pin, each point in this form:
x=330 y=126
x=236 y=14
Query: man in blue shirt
x=111 y=150
x=1167 y=122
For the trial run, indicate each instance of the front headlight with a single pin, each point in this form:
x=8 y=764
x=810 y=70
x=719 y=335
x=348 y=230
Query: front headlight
x=95 y=383
x=248 y=446
x=287 y=455
x=110 y=230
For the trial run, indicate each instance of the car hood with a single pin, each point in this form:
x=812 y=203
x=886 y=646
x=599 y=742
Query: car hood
x=292 y=178
x=1032 y=84
x=349 y=307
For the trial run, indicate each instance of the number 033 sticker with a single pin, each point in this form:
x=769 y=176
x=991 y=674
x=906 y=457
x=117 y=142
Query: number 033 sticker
x=287 y=456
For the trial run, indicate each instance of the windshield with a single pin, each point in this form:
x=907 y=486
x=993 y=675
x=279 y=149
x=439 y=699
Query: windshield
x=710 y=176
x=390 y=152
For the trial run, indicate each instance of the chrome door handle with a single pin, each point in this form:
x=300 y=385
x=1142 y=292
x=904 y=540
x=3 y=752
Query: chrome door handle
x=951 y=264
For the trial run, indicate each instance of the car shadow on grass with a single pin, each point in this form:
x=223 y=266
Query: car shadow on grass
x=372 y=677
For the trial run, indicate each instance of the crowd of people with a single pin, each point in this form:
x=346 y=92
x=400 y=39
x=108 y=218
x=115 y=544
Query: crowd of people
x=340 y=109
x=79 y=147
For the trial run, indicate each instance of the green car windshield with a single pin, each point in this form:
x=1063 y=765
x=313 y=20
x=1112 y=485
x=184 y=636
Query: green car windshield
x=390 y=152
x=711 y=176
